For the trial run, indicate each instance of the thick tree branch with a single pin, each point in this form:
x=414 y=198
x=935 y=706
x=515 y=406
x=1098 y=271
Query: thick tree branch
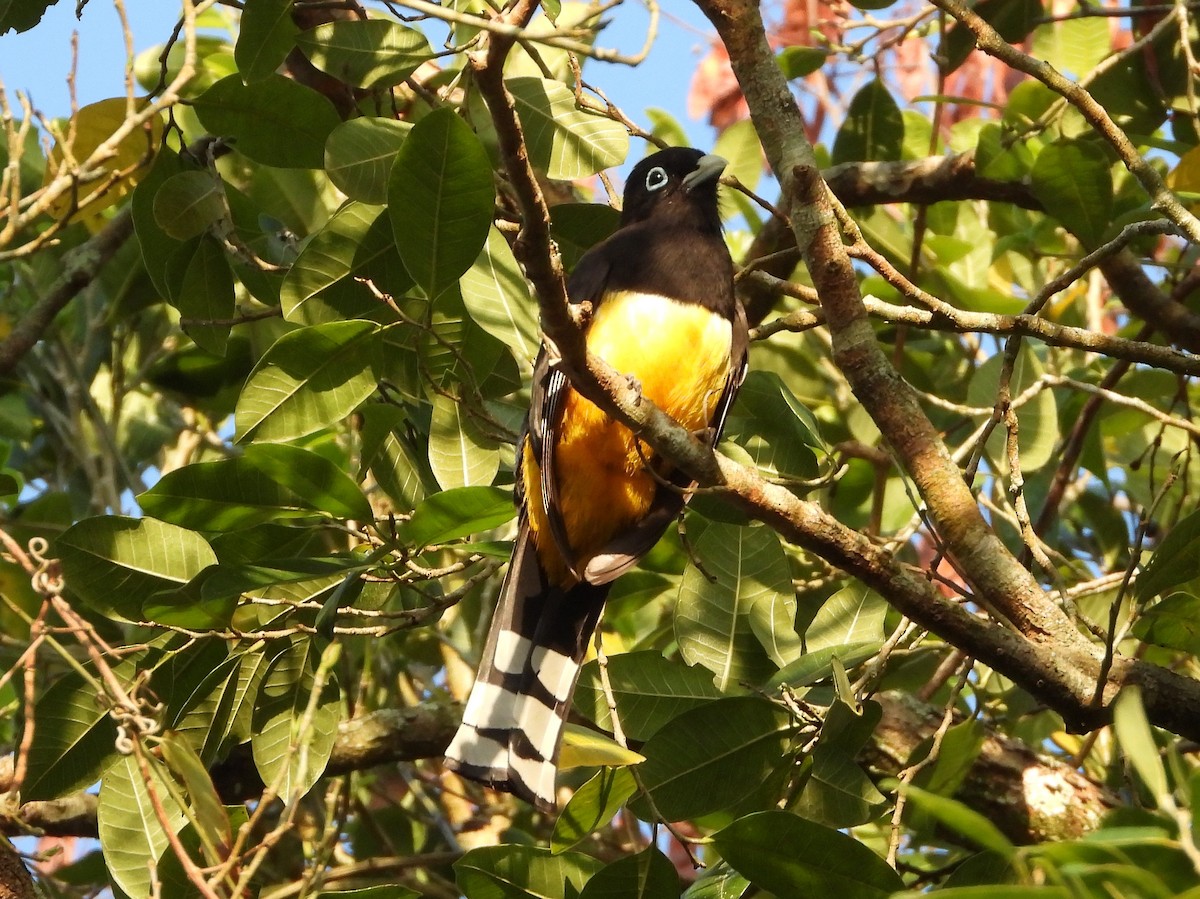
x=1032 y=799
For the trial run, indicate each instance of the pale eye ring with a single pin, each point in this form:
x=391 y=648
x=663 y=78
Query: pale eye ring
x=656 y=178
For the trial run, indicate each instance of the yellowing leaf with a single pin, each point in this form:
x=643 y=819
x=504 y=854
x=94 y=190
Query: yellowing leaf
x=583 y=748
x=91 y=127
x=1186 y=176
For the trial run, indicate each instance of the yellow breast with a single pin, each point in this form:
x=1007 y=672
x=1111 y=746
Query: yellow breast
x=679 y=353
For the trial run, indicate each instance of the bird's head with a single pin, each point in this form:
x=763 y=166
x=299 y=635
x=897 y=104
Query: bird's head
x=678 y=184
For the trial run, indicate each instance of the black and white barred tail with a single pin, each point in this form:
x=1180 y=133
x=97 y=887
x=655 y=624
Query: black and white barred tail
x=513 y=722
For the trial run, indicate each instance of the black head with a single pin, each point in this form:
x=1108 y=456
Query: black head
x=678 y=184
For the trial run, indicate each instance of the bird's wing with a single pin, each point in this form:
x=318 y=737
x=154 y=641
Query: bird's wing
x=550 y=385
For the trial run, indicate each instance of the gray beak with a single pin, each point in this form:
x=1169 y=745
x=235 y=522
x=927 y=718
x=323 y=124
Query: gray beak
x=708 y=168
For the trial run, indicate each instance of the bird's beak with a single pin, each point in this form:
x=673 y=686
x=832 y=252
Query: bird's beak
x=708 y=168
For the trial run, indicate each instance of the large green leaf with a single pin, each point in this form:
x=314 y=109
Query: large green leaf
x=460 y=453
x=514 y=871
x=206 y=298
x=390 y=456
x=789 y=856
x=267 y=483
x=1073 y=181
x=328 y=257
x=131 y=833
x=187 y=203
x=1176 y=560
x=266 y=34
x=291 y=752
x=440 y=199
x=217 y=714
x=855 y=614
x=309 y=379
x=591 y=807
x=740 y=622
x=1138 y=745
x=115 y=564
x=451 y=514
x=498 y=298
x=1013 y=19
x=565 y=141
x=72 y=740
x=712 y=757
x=276 y=121
x=359 y=155
x=1173 y=623
x=647 y=875
x=873 y=130
x=774 y=427
x=649 y=690
x=367 y=53
x=838 y=792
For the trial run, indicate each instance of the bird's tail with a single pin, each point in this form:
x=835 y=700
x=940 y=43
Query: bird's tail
x=513 y=722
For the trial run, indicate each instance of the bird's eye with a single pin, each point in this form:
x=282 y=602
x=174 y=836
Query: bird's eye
x=656 y=178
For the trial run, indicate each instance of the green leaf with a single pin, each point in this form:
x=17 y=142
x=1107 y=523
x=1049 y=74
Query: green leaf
x=288 y=755
x=854 y=614
x=367 y=53
x=591 y=807
x=955 y=816
x=1014 y=19
x=712 y=757
x=187 y=203
x=649 y=690
x=268 y=483
x=266 y=34
x=309 y=379
x=817 y=664
x=726 y=624
x=1173 y=623
x=359 y=155
x=21 y=15
x=326 y=258
x=873 y=130
x=1073 y=182
x=565 y=141
x=789 y=856
x=129 y=828
x=114 y=564
x=217 y=714
x=1073 y=45
x=647 y=875
x=206 y=298
x=460 y=453
x=838 y=792
x=440 y=199
x=456 y=513
x=1176 y=560
x=1138 y=746
x=255 y=117
x=72 y=740
x=498 y=298
x=205 y=809
x=390 y=457
x=577 y=227
x=797 y=62
x=156 y=245
x=512 y=871
x=774 y=427
x=718 y=882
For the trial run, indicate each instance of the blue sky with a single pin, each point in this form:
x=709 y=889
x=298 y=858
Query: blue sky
x=38 y=60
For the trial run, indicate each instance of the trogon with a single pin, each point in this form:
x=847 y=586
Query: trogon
x=593 y=499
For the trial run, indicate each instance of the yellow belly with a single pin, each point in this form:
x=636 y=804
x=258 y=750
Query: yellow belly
x=679 y=353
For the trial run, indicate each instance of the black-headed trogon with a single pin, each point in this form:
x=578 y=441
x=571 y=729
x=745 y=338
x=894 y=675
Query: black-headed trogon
x=664 y=314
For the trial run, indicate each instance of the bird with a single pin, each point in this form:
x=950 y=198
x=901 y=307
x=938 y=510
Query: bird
x=593 y=499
